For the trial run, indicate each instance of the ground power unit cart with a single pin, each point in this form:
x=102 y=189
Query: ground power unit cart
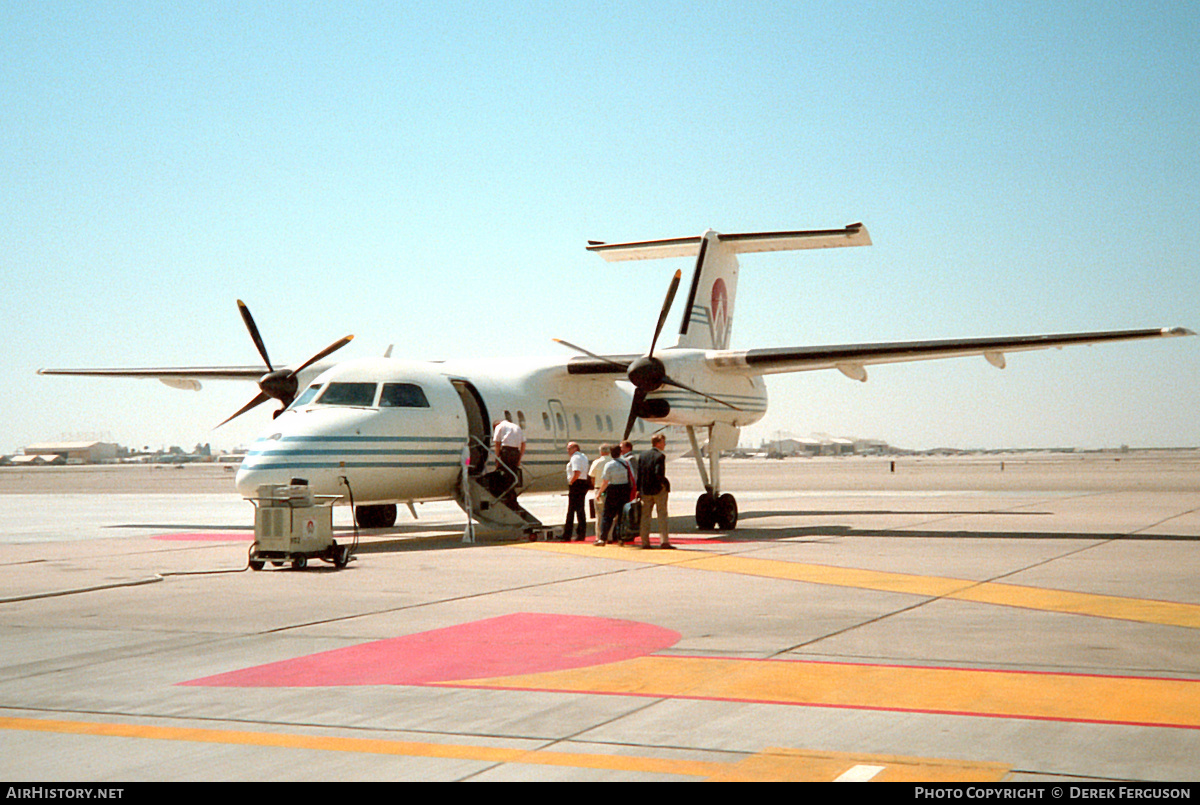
x=291 y=524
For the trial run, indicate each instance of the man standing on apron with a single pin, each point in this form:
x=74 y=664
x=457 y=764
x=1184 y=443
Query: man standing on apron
x=653 y=488
x=577 y=489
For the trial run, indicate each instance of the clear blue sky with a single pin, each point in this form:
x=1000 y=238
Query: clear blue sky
x=402 y=171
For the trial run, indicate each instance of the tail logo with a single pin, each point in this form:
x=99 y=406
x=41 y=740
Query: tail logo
x=718 y=321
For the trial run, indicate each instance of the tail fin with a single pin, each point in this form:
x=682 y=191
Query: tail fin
x=708 y=316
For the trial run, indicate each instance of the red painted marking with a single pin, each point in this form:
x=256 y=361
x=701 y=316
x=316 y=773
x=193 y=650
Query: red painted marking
x=522 y=643
x=222 y=536
x=655 y=542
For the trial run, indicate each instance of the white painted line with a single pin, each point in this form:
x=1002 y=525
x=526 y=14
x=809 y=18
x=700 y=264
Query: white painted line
x=859 y=774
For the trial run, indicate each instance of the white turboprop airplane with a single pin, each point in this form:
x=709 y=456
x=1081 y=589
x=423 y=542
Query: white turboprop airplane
x=382 y=431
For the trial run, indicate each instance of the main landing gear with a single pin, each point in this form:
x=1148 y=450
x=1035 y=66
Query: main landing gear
x=719 y=512
x=714 y=510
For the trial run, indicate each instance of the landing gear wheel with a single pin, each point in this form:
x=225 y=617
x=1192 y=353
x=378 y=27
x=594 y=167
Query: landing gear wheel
x=299 y=563
x=706 y=512
x=382 y=515
x=727 y=512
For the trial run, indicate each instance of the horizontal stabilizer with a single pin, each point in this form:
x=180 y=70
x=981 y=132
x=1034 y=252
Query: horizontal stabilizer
x=853 y=235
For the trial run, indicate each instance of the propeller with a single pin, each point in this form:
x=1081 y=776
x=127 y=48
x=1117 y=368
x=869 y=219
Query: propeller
x=648 y=373
x=278 y=384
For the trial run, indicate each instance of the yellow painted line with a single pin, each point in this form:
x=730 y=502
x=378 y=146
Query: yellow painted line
x=772 y=764
x=1141 y=610
x=281 y=740
x=803 y=766
x=1004 y=694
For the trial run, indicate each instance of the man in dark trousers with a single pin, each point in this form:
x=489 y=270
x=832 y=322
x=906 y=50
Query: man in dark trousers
x=577 y=489
x=508 y=440
x=653 y=488
x=616 y=484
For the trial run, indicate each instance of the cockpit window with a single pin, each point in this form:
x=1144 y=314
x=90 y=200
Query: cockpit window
x=356 y=394
x=308 y=394
x=402 y=395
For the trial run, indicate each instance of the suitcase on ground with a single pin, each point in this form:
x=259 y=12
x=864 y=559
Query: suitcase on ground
x=630 y=521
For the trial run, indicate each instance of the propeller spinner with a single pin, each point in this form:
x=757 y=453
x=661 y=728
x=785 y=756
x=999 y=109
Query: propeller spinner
x=278 y=384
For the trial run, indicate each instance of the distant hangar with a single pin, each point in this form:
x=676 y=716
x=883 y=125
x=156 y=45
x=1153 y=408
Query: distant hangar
x=69 y=453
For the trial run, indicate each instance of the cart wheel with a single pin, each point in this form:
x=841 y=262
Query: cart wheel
x=300 y=562
x=341 y=555
x=256 y=564
x=277 y=564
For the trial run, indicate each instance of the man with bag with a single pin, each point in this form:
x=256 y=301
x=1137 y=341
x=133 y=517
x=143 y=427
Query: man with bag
x=617 y=486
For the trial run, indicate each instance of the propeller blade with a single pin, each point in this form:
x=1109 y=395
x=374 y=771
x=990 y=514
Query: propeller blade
x=259 y=400
x=639 y=397
x=258 y=342
x=589 y=353
x=334 y=347
x=666 y=308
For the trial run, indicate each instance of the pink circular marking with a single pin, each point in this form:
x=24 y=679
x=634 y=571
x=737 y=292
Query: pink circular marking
x=521 y=643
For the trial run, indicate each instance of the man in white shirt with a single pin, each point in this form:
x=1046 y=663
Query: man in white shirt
x=616 y=484
x=594 y=473
x=577 y=489
x=508 y=440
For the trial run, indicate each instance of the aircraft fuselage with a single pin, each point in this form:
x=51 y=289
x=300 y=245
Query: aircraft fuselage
x=394 y=431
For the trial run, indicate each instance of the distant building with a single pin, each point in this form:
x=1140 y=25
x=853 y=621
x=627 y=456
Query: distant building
x=824 y=446
x=36 y=460
x=74 y=452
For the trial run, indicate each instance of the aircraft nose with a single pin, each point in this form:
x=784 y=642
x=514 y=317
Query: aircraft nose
x=266 y=462
x=248 y=481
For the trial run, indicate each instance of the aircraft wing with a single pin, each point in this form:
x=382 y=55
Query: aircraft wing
x=851 y=358
x=180 y=377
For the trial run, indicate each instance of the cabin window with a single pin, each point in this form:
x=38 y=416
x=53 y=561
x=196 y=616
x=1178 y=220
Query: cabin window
x=545 y=420
x=578 y=423
x=308 y=394
x=351 y=394
x=599 y=424
x=402 y=395
x=521 y=419
x=558 y=418
x=608 y=421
